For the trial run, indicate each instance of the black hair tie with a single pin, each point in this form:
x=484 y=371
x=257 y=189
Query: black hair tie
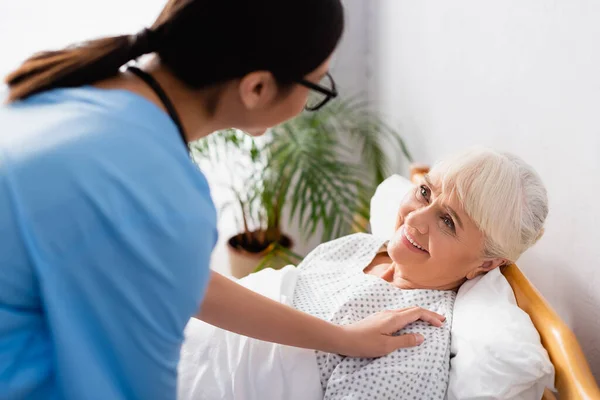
x=144 y=42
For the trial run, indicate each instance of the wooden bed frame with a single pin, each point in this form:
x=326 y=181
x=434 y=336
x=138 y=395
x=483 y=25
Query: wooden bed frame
x=574 y=380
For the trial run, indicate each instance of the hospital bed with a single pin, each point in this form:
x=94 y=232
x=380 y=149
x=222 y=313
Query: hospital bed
x=574 y=380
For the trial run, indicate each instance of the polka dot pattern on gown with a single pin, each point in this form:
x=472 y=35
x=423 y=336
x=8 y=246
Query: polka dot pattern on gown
x=332 y=286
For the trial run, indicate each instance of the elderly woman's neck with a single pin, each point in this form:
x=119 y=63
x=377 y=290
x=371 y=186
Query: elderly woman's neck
x=391 y=272
x=383 y=267
x=406 y=284
x=403 y=283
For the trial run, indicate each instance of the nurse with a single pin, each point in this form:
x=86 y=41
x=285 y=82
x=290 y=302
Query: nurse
x=106 y=224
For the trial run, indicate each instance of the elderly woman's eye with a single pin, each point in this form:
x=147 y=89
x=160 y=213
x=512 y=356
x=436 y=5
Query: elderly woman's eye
x=448 y=221
x=424 y=191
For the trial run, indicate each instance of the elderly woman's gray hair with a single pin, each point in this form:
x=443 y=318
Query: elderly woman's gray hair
x=502 y=194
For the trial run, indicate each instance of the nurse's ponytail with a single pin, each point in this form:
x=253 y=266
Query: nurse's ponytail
x=202 y=42
x=74 y=66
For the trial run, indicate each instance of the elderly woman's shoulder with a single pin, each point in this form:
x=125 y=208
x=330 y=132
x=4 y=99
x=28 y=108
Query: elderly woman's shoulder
x=346 y=249
x=356 y=241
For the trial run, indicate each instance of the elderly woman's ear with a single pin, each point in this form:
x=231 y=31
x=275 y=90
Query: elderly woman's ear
x=486 y=267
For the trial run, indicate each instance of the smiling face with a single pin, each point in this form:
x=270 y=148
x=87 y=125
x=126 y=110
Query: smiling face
x=436 y=244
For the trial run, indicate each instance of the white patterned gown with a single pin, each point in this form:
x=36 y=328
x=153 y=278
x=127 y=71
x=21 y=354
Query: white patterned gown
x=331 y=285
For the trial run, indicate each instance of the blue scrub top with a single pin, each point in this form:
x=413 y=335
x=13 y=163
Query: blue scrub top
x=106 y=231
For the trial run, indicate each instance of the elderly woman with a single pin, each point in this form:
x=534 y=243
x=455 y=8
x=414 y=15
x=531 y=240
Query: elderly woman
x=472 y=213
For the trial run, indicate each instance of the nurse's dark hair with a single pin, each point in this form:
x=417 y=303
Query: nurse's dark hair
x=202 y=42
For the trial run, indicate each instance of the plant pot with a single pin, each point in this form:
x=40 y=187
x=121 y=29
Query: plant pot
x=243 y=262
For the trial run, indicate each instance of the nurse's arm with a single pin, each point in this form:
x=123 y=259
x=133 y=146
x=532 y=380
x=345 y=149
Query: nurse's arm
x=233 y=307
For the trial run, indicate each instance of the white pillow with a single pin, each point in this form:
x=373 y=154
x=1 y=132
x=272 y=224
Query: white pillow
x=497 y=350
x=385 y=204
x=497 y=353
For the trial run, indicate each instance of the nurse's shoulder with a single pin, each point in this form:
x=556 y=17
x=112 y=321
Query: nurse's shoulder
x=87 y=153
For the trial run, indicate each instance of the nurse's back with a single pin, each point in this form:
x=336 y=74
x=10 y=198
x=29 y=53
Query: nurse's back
x=101 y=211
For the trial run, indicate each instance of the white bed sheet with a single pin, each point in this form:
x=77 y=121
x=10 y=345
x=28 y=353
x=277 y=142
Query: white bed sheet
x=216 y=364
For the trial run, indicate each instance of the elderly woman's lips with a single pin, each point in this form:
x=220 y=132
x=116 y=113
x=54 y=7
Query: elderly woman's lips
x=411 y=243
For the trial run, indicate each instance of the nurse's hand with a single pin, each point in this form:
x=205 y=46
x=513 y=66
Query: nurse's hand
x=373 y=336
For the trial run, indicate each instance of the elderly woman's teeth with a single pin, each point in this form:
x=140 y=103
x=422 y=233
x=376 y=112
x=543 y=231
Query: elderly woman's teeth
x=414 y=244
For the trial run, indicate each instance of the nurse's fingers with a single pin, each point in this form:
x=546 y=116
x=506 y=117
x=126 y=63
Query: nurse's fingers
x=408 y=340
x=374 y=335
x=410 y=315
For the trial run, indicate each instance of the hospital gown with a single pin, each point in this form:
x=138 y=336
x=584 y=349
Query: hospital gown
x=332 y=286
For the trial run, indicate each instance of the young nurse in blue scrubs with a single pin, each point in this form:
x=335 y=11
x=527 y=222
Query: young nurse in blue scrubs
x=106 y=224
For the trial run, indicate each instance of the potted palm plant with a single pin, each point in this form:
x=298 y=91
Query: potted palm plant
x=322 y=168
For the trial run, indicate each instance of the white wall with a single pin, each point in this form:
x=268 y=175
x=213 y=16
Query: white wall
x=517 y=75
x=29 y=26
x=350 y=64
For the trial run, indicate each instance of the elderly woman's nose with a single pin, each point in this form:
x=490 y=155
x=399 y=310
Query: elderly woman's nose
x=418 y=219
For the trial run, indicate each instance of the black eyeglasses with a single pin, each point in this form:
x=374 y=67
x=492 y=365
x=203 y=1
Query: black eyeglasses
x=321 y=92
